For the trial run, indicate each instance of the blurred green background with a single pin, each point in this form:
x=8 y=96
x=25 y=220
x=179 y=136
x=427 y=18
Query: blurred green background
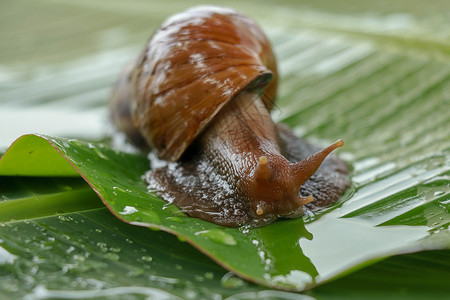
x=64 y=55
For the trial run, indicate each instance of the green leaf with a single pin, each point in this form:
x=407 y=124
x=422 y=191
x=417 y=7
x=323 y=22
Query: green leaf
x=413 y=276
x=373 y=74
x=288 y=254
x=52 y=195
x=91 y=250
x=91 y=254
x=31 y=156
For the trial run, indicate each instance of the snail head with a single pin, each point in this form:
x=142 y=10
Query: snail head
x=276 y=183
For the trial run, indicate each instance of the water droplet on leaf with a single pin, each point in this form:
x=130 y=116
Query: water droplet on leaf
x=229 y=280
x=218 y=236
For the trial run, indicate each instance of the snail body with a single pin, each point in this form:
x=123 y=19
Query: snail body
x=199 y=97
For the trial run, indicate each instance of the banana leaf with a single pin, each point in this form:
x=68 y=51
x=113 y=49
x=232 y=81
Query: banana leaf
x=376 y=76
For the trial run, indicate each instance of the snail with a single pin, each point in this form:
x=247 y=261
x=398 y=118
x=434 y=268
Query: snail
x=199 y=98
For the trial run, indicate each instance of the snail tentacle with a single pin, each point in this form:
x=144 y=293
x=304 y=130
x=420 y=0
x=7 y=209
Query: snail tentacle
x=263 y=171
x=306 y=168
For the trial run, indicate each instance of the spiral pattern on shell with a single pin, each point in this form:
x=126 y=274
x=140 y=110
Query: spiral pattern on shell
x=194 y=64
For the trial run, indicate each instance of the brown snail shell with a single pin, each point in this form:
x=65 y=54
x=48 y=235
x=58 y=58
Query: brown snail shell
x=195 y=97
x=204 y=49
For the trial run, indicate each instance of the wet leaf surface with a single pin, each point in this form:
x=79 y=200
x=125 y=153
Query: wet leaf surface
x=289 y=254
x=90 y=253
x=375 y=75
